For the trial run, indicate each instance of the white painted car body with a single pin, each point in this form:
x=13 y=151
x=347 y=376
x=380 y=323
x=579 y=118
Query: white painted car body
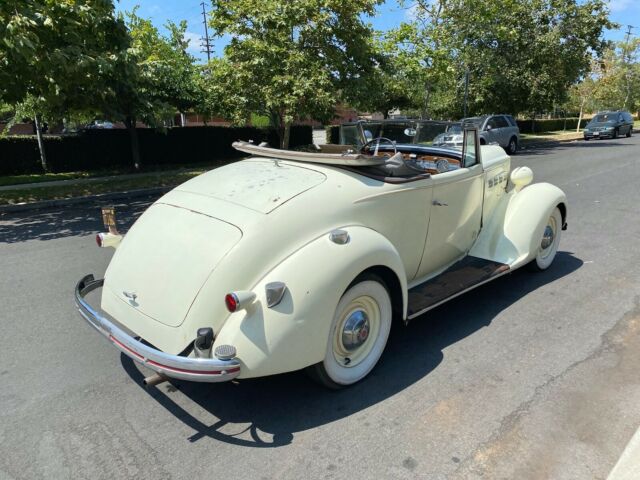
x=261 y=220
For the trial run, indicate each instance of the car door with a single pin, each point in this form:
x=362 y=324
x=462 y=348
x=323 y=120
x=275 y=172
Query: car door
x=504 y=130
x=491 y=131
x=456 y=211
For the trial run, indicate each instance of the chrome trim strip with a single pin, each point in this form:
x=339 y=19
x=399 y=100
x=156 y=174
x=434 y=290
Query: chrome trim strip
x=185 y=368
x=430 y=307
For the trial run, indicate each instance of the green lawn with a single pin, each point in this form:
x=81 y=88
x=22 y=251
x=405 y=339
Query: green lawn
x=48 y=177
x=41 y=177
x=555 y=135
x=104 y=186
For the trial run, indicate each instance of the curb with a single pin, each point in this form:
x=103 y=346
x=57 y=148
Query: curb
x=23 y=207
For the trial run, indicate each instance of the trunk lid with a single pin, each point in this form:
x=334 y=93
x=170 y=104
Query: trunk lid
x=258 y=184
x=165 y=258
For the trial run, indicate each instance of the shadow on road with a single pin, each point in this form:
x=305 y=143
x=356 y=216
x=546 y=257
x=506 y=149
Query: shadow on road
x=282 y=405
x=547 y=147
x=71 y=221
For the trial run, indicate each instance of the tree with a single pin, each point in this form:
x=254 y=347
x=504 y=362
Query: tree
x=423 y=60
x=290 y=60
x=617 y=77
x=53 y=55
x=152 y=79
x=521 y=55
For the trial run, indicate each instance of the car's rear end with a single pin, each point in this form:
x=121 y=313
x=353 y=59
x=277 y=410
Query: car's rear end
x=166 y=284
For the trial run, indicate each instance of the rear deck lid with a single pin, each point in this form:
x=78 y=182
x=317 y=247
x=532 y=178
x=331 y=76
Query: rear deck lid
x=165 y=259
x=259 y=184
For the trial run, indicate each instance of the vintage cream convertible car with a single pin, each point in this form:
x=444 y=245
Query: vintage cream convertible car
x=290 y=260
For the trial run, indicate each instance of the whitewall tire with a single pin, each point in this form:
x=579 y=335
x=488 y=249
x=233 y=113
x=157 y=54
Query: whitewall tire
x=548 y=246
x=358 y=334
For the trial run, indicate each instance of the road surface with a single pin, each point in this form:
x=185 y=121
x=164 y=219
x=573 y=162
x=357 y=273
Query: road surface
x=534 y=376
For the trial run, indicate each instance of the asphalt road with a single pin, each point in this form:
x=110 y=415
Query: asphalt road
x=534 y=376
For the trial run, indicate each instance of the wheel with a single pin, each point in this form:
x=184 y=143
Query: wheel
x=586 y=139
x=549 y=242
x=629 y=132
x=513 y=146
x=615 y=133
x=358 y=334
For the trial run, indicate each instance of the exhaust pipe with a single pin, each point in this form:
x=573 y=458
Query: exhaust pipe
x=154 y=379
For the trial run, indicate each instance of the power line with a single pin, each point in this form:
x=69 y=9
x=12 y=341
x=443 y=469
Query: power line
x=206 y=43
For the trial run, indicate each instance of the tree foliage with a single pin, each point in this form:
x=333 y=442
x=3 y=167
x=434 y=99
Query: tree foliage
x=290 y=60
x=54 y=54
x=521 y=55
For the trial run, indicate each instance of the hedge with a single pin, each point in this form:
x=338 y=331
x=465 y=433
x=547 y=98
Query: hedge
x=94 y=150
x=550 y=125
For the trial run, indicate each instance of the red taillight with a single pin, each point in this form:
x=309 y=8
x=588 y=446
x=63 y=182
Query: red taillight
x=231 y=301
x=99 y=239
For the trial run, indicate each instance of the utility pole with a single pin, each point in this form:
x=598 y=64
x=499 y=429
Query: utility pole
x=626 y=59
x=206 y=43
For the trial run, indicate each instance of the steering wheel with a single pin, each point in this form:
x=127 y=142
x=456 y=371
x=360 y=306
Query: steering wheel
x=367 y=146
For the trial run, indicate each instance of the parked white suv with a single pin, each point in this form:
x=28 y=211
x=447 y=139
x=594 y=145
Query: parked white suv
x=497 y=129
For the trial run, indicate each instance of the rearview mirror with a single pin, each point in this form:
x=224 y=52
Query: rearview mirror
x=410 y=132
x=368 y=135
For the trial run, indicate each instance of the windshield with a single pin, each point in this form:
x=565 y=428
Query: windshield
x=474 y=121
x=604 y=118
x=422 y=132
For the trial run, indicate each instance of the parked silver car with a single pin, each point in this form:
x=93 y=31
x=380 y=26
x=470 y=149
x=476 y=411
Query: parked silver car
x=497 y=129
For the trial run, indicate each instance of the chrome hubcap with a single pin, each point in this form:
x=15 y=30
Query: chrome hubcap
x=355 y=331
x=547 y=237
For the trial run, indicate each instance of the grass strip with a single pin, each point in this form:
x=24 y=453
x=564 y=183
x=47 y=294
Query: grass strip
x=8 y=197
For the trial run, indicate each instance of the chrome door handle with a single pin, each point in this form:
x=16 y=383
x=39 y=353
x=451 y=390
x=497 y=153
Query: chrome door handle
x=437 y=203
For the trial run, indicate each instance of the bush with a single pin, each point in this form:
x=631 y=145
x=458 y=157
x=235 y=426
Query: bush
x=94 y=150
x=333 y=134
x=550 y=125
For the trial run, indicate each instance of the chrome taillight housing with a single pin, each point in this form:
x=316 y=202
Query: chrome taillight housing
x=238 y=300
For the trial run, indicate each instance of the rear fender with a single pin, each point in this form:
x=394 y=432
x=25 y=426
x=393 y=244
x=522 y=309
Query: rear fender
x=294 y=333
x=513 y=232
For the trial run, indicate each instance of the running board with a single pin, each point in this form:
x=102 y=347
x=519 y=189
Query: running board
x=468 y=273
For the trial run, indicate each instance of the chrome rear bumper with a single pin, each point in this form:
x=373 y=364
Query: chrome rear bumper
x=174 y=366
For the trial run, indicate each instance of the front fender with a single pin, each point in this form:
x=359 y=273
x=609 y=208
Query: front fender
x=512 y=234
x=294 y=334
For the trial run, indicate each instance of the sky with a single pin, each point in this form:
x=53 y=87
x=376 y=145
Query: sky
x=390 y=14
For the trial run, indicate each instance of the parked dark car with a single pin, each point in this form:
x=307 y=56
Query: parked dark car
x=609 y=124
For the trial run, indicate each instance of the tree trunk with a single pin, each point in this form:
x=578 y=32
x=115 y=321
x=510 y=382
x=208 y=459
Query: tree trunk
x=425 y=105
x=533 y=123
x=130 y=123
x=286 y=136
x=580 y=115
x=43 y=155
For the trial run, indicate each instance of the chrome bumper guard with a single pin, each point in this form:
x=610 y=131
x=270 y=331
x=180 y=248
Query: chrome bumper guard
x=185 y=368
